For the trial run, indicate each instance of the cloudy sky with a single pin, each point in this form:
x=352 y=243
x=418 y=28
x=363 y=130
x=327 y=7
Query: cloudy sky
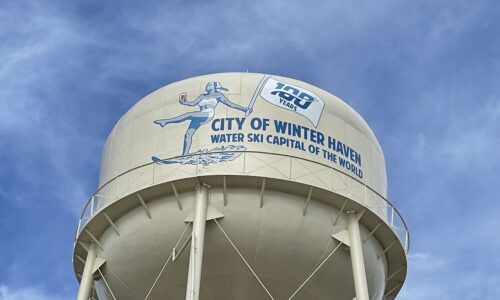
x=424 y=74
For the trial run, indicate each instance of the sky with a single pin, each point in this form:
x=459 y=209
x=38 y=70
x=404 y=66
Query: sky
x=424 y=74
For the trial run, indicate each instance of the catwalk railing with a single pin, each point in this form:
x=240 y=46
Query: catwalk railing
x=153 y=173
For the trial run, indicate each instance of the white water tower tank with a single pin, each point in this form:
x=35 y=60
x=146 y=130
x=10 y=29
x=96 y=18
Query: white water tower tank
x=241 y=186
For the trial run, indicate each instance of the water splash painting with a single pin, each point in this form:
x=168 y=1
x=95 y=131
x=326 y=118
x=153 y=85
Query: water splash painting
x=205 y=157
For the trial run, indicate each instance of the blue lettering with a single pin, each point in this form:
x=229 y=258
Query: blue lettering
x=306 y=98
x=227 y=138
x=215 y=138
x=255 y=138
x=216 y=122
x=280 y=126
x=345 y=150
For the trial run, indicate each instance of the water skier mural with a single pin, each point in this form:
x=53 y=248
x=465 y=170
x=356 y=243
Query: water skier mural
x=207 y=102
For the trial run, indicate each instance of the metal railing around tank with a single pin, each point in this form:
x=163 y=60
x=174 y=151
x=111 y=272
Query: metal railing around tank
x=110 y=191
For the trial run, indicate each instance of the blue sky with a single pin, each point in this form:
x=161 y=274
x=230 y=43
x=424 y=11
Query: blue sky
x=424 y=74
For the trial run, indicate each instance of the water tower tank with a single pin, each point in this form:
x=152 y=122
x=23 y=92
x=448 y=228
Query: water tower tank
x=241 y=186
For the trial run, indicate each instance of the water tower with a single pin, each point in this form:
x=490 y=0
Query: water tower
x=241 y=186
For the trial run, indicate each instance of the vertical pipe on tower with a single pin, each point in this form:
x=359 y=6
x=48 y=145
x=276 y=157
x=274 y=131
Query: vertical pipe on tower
x=358 y=263
x=197 y=242
x=87 y=276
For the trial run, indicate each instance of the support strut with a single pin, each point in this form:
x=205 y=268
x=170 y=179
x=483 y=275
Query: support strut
x=197 y=242
x=358 y=263
x=87 y=276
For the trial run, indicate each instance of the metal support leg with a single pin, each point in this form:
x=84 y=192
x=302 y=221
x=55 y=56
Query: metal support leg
x=197 y=241
x=358 y=263
x=87 y=276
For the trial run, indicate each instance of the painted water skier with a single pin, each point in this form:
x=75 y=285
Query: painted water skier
x=207 y=103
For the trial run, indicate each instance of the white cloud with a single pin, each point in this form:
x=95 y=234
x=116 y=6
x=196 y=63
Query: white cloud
x=28 y=293
x=425 y=261
x=39 y=46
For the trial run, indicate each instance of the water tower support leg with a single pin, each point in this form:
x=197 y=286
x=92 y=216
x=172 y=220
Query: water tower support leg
x=197 y=242
x=358 y=263
x=87 y=276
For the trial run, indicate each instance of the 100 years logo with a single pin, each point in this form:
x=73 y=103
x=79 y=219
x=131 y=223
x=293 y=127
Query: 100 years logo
x=292 y=97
